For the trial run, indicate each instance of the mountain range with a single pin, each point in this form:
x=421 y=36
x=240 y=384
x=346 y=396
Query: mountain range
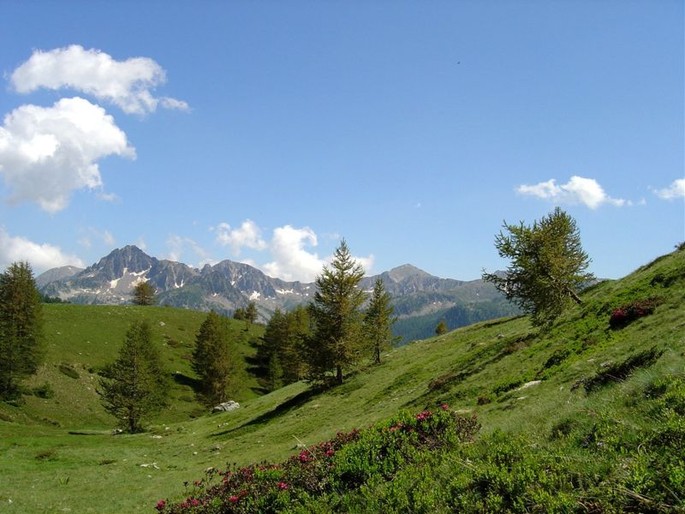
x=420 y=299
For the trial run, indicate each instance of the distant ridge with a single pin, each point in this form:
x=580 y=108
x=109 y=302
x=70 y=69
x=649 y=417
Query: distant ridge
x=228 y=285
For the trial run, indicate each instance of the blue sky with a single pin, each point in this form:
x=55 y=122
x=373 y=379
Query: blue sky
x=264 y=132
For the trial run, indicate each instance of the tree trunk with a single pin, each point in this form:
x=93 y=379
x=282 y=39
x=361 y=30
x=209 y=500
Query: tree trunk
x=339 y=374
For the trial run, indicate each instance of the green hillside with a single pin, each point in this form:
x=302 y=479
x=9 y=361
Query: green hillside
x=581 y=396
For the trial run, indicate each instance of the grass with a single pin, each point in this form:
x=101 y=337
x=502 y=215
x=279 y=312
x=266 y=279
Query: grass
x=516 y=380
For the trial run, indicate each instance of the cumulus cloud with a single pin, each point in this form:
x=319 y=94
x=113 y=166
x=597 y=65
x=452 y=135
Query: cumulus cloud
x=578 y=190
x=48 y=152
x=291 y=258
x=675 y=190
x=128 y=84
x=248 y=235
x=42 y=257
x=291 y=250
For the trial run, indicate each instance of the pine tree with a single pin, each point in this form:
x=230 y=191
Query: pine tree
x=280 y=352
x=212 y=360
x=21 y=328
x=144 y=294
x=548 y=266
x=336 y=316
x=135 y=385
x=441 y=328
x=378 y=320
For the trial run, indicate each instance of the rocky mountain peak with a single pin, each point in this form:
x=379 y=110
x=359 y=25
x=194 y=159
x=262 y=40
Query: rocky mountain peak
x=406 y=271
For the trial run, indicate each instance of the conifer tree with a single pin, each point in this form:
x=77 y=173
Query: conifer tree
x=336 y=316
x=212 y=360
x=21 y=327
x=144 y=294
x=548 y=266
x=441 y=328
x=135 y=386
x=378 y=320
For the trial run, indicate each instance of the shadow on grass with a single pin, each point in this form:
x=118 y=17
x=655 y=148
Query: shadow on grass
x=185 y=380
x=291 y=403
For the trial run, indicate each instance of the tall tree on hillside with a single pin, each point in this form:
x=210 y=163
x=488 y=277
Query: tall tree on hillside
x=280 y=353
x=336 y=316
x=135 y=385
x=21 y=327
x=248 y=314
x=144 y=294
x=548 y=266
x=212 y=360
x=378 y=320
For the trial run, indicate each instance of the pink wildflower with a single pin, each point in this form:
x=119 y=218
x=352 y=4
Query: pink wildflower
x=160 y=505
x=282 y=486
x=233 y=499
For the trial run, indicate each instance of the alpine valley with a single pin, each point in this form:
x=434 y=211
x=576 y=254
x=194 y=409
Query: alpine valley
x=421 y=300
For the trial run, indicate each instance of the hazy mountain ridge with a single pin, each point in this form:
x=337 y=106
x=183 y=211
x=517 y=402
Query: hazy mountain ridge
x=228 y=285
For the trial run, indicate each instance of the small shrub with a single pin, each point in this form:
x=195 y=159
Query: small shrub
x=47 y=455
x=626 y=314
x=68 y=370
x=44 y=391
x=620 y=371
x=484 y=399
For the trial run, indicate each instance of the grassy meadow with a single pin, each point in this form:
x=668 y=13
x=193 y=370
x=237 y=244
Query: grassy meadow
x=553 y=389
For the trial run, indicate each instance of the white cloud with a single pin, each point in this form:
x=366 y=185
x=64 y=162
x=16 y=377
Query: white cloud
x=42 y=257
x=675 y=190
x=127 y=84
x=178 y=245
x=578 y=190
x=292 y=260
x=48 y=152
x=247 y=235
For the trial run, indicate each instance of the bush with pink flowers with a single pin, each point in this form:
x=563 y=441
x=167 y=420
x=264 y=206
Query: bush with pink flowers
x=626 y=314
x=342 y=464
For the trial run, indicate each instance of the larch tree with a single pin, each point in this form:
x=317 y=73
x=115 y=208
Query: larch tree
x=212 y=360
x=21 y=328
x=135 y=386
x=336 y=315
x=548 y=266
x=378 y=321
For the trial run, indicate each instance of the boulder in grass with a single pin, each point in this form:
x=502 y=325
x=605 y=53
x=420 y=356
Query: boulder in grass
x=226 y=406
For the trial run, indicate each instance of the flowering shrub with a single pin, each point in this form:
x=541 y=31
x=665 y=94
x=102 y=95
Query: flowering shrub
x=342 y=464
x=626 y=314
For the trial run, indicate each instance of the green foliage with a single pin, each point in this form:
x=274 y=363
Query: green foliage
x=144 y=294
x=135 y=385
x=614 y=372
x=336 y=314
x=21 y=328
x=248 y=314
x=378 y=321
x=548 y=266
x=68 y=370
x=213 y=361
x=441 y=328
x=280 y=358
x=44 y=391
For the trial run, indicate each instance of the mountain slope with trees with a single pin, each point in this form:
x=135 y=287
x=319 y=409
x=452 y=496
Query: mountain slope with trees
x=228 y=286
